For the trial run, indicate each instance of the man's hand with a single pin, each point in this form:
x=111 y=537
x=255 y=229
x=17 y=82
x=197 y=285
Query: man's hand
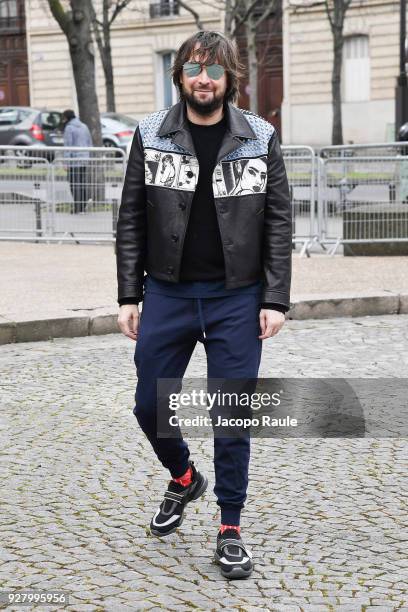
x=128 y=320
x=271 y=322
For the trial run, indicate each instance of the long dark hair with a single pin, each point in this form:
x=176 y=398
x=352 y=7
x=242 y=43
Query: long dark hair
x=215 y=48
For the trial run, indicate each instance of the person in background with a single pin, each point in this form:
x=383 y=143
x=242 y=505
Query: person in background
x=76 y=134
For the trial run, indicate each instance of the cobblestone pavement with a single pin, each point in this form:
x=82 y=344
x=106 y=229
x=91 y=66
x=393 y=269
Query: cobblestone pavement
x=326 y=519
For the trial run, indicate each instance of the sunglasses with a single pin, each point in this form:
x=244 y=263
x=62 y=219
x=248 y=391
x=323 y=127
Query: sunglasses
x=193 y=69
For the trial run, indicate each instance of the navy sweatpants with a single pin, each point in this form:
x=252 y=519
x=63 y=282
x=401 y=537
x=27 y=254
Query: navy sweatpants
x=168 y=331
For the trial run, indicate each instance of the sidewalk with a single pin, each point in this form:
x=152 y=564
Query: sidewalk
x=51 y=290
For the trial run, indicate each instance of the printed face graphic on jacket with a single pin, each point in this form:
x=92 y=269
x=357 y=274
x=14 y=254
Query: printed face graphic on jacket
x=230 y=178
x=167 y=172
x=251 y=174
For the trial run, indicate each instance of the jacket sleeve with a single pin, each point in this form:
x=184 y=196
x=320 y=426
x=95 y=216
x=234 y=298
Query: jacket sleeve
x=277 y=243
x=89 y=142
x=132 y=226
x=68 y=141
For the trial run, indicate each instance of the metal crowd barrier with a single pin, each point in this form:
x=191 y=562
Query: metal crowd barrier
x=348 y=196
x=382 y=149
x=363 y=198
x=47 y=196
x=300 y=163
x=25 y=193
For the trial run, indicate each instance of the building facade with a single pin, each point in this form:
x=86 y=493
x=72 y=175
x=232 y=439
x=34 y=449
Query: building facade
x=295 y=63
x=145 y=37
x=370 y=68
x=14 y=89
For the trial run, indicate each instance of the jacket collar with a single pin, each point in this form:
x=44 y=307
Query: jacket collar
x=175 y=126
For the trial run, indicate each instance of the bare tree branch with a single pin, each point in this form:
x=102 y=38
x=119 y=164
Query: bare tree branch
x=194 y=14
x=119 y=6
x=59 y=15
x=242 y=19
x=220 y=6
x=270 y=7
x=328 y=14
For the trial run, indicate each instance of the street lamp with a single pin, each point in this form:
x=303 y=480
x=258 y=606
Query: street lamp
x=401 y=91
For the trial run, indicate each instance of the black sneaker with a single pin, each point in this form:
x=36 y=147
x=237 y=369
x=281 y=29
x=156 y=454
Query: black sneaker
x=232 y=555
x=170 y=514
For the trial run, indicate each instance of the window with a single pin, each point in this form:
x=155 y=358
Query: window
x=356 y=69
x=10 y=16
x=166 y=91
x=50 y=120
x=8 y=8
x=163 y=8
x=9 y=116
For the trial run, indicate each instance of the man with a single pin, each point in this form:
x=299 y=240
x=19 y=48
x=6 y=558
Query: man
x=217 y=251
x=76 y=134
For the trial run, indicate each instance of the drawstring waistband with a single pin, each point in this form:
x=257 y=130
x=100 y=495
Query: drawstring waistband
x=200 y=313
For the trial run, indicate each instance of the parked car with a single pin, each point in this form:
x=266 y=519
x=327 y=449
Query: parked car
x=117 y=130
x=128 y=121
x=25 y=126
x=122 y=118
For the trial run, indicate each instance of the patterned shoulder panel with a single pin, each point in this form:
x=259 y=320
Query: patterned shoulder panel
x=149 y=126
x=254 y=148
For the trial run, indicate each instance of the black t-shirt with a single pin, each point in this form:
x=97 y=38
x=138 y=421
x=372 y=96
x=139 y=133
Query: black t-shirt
x=203 y=257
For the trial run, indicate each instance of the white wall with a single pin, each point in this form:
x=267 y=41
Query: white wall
x=363 y=122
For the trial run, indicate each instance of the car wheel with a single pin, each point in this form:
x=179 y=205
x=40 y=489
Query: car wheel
x=111 y=145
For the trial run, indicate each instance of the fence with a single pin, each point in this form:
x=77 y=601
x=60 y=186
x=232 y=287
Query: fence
x=383 y=149
x=363 y=195
x=355 y=196
x=71 y=194
x=300 y=163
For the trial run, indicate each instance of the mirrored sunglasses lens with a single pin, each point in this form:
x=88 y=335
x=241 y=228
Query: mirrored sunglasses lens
x=192 y=69
x=215 y=71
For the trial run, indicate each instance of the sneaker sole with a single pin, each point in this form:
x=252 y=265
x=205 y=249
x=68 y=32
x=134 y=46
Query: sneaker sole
x=235 y=572
x=198 y=493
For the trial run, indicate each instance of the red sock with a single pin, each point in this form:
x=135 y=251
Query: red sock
x=186 y=478
x=224 y=527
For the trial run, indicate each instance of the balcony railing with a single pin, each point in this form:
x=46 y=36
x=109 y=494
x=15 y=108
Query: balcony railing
x=12 y=24
x=164 y=8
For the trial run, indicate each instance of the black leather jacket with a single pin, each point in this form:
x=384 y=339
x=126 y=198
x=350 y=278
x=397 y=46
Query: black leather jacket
x=251 y=197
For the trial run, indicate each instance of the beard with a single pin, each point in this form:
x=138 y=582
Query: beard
x=203 y=107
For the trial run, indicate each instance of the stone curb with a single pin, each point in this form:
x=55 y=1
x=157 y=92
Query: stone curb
x=303 y=307
x=333 y=306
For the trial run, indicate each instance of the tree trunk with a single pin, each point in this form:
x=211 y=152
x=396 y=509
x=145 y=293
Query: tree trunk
x=106 y=56
x=337 y=127
x=105 y=53
x=228 y=18
x=108 y=72
x=83 y=63
x=252 y=67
